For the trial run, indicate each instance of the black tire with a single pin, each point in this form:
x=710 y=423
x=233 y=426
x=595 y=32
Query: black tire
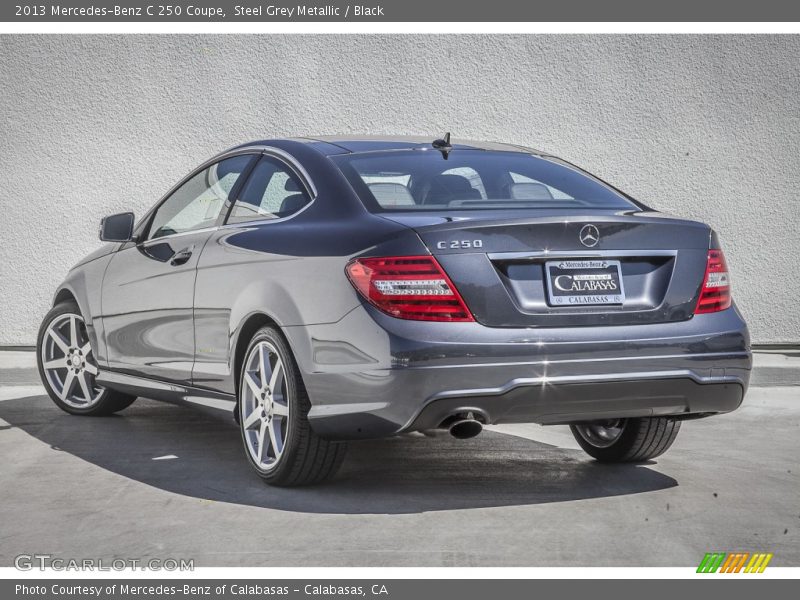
x=641 y=439
x=306 y=458
x=109 y=401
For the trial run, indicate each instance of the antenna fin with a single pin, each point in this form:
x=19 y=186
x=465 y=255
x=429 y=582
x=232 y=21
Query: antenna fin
x=443 y=145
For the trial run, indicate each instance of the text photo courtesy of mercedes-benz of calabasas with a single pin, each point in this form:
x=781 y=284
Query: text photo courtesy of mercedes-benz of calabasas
x=328 y=289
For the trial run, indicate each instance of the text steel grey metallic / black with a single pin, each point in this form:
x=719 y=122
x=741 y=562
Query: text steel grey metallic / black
x=329 y=289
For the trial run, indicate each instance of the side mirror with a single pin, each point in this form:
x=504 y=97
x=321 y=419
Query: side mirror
x=117 y=228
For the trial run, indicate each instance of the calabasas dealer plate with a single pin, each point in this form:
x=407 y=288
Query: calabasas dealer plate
x=584 y=282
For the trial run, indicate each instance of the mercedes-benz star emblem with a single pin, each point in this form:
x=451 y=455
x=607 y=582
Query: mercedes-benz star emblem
x=589 y=236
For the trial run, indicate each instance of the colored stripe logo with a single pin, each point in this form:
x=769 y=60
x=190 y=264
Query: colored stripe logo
x=735 y=562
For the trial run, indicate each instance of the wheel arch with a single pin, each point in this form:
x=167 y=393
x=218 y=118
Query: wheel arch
x=64 y=294
x=249 y=313
x=83 y=287
x=69 y=293
x=78 y=289
x=252 y=323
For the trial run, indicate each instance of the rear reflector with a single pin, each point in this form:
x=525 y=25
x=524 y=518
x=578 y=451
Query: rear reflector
x=715 y=294
x=408 y=287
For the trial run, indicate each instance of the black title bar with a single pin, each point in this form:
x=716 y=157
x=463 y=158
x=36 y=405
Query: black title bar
x=401 y=11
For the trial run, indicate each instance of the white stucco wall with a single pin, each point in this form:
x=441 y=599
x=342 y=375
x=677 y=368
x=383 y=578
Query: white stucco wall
x=702 y=126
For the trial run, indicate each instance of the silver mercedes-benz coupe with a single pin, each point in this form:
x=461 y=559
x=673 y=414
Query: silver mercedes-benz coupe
x=326 y=289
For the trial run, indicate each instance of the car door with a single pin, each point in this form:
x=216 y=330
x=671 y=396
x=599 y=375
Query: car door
x=148 y=289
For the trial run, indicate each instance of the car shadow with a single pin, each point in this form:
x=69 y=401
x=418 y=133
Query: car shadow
x=404 y=474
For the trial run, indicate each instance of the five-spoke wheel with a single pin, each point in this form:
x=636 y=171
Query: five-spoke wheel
x=264 y=405
x=273 y=416
x=68 y=367
x=68 y=362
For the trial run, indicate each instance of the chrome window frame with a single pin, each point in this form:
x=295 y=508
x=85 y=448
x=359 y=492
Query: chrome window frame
x=256 y=151
x=296 y=168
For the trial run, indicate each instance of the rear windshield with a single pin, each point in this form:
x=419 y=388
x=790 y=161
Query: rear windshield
x=415 y=180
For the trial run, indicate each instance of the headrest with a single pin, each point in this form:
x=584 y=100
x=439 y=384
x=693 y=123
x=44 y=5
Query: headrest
x=291 y=204
x=391 y=194
x=452 y=183
x=446 y=188
x=530 y=191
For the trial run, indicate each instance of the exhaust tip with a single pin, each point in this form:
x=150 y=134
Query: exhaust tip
x=465 y=429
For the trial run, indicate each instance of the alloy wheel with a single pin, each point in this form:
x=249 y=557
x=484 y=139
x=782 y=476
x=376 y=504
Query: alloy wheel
x=68 y=361
x=601 y=434
x=264 y=406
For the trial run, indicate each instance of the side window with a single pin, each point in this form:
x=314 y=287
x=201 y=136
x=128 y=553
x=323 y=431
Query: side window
x=272 y=192
x=198 y=202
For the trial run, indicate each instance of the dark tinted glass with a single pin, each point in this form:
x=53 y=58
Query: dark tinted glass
x=273 y=191
x=472 y=180
x=198 y=202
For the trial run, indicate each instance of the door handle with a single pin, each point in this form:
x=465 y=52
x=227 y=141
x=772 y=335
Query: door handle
x=181 y=256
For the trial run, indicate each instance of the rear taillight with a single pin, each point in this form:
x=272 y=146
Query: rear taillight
x=408 y=287
x=715 y=294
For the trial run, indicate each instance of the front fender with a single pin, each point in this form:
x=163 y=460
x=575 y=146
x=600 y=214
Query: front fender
x=84 y=284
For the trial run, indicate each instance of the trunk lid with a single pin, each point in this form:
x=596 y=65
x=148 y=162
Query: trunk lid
x=508 y=269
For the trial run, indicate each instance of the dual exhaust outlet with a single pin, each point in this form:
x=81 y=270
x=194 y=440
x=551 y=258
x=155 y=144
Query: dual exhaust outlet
x=462 y=425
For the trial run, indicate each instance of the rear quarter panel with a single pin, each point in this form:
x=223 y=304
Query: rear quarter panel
x=293 y=272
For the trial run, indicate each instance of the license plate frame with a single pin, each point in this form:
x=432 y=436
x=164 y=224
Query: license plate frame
x=588 y=282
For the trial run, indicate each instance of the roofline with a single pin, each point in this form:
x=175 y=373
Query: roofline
x=343 y=143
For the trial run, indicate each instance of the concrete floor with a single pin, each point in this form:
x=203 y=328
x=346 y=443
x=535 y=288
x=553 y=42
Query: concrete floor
x=517 y=495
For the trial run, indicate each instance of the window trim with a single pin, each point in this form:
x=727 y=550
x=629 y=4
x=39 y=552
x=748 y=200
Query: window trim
x=293 y=166
x=257 y=151
x=222 y=208
x=142 y=230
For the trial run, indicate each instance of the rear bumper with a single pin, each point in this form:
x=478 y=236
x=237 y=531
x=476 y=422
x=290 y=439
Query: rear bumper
x=371 y=376
x=589 y=398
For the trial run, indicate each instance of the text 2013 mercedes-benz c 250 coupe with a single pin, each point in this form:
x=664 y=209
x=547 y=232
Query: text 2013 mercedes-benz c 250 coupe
x=329 y=289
